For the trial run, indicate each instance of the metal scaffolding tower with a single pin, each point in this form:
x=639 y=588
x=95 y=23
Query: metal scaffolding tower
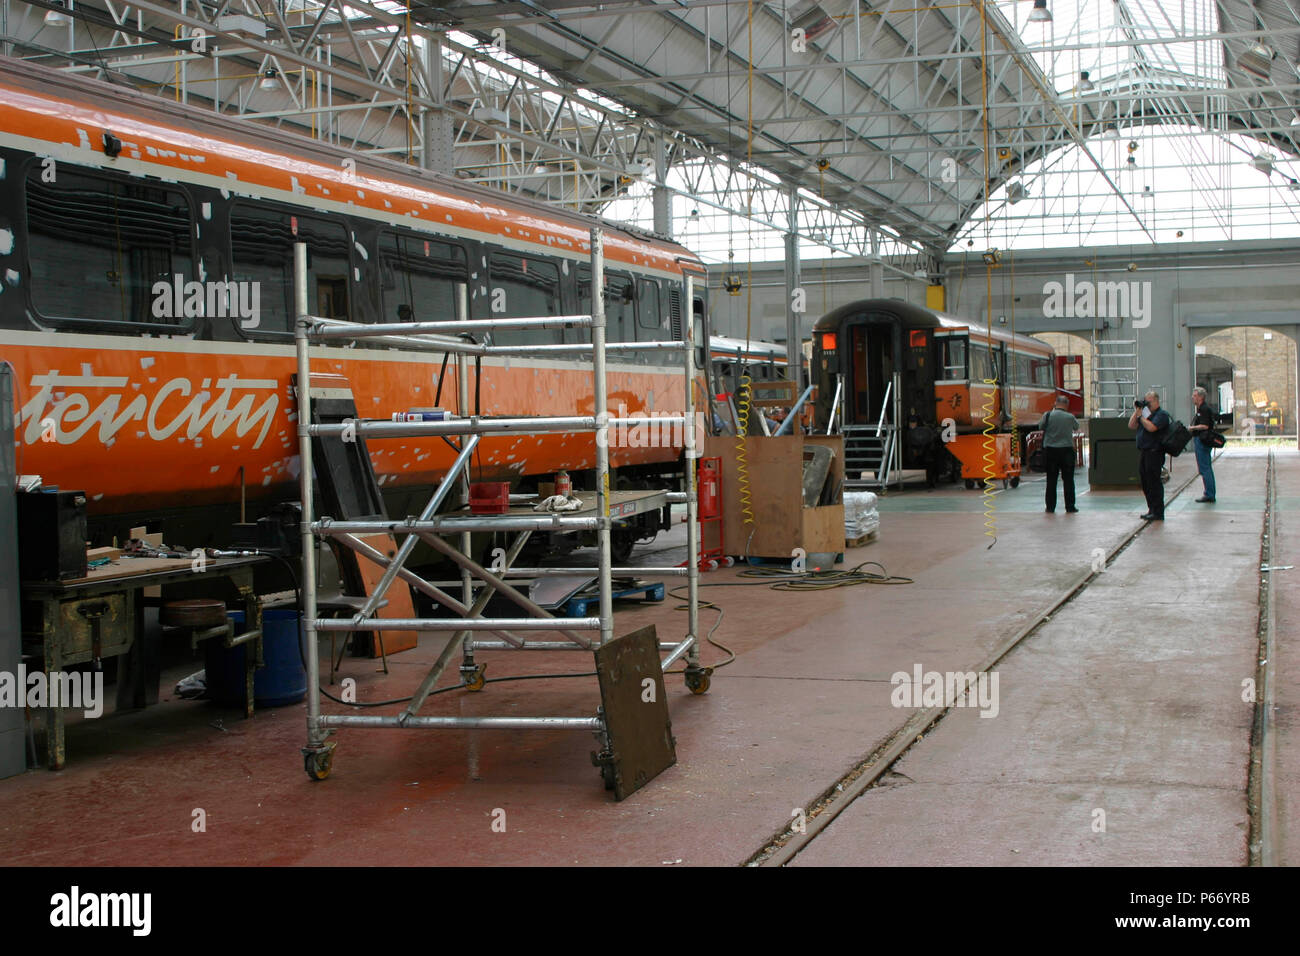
x=431 y=528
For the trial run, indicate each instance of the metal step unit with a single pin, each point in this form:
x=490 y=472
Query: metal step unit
x=870 y=456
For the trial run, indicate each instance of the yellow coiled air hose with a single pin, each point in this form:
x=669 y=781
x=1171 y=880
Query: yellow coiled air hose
x=990 y=507
x=742 y=467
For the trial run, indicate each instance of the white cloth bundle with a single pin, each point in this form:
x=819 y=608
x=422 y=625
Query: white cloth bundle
x=558 y=503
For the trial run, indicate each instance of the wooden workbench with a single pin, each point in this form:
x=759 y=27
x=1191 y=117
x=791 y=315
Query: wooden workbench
x=83 y=620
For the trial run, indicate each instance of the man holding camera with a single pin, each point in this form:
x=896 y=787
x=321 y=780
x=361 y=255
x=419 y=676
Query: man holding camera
x=1151 y=422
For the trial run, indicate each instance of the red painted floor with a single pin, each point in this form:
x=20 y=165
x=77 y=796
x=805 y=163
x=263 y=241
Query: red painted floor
x=807 y=698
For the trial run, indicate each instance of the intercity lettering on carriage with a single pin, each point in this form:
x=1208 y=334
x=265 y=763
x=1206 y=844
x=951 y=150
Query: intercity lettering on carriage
x=65 y=407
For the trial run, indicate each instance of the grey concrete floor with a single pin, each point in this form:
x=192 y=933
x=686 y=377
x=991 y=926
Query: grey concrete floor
x=1121 y=737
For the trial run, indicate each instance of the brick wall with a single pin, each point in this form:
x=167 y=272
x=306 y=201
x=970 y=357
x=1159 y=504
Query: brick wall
x=1260 y=364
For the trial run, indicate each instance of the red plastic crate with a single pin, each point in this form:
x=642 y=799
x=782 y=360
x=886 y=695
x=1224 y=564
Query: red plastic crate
x=489 y=497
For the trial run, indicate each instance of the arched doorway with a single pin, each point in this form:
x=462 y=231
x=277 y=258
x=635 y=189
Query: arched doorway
x=1262 y=365
x=1215 y=374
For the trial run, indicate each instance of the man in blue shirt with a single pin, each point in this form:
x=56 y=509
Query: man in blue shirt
x=1151 y=422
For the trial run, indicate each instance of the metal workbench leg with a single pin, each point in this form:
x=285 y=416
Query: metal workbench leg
x=54 y=743
x=252 y=650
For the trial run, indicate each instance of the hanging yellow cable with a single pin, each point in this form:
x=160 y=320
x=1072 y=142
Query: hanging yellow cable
x=743 y=394
x=989 y=494
x=1010 y=377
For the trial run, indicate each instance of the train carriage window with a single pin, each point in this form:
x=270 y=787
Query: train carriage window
x=421 y=279
x=97 y=246
x=1041 y=371
x=523 y=287
x=1024 y=369
x=620 y=304
x=650 y=316
x=983 y=366
x=261 y=245
x=953 y=359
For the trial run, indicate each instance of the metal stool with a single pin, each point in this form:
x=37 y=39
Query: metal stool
x=195 y=614
x=205 y=619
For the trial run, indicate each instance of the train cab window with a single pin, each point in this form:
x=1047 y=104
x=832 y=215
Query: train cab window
x=953 y=359
x=421 y=280
x=261 y=246
x=97 y=245
x=651 y=317
x=1041 y=372
x=523 y=287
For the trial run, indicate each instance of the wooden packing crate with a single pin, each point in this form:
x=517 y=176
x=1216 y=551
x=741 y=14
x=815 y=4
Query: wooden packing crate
x=781 y=522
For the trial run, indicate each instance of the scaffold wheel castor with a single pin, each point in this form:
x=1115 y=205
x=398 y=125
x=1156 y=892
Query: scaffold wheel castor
x=970 y=483
x=697 y=679
x=475 y=678
x=1015 y=482
x=728 y=562
x=604 y=762
x=318 y=761
x=621 y=543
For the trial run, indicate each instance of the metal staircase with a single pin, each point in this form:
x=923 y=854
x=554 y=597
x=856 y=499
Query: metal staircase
x=870 y=455
x=871 y=452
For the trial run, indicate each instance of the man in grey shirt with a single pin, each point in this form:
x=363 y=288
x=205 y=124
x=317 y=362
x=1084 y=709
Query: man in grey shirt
x=1058 y=427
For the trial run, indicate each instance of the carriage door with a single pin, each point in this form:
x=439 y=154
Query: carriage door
x=872 y=359
x=1069 y=381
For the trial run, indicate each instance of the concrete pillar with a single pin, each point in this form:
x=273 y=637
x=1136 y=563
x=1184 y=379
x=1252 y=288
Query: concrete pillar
x=793 y=282
x=877 y=268
x=437 y=126
x=661 y=196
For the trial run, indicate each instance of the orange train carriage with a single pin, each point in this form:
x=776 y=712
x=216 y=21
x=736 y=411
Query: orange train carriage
x=888 y=364
x=120 y=213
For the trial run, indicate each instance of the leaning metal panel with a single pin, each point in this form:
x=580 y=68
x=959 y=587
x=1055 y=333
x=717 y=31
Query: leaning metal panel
x=638 y=732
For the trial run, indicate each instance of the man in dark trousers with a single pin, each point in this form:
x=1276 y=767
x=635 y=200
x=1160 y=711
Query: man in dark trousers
x=1058 y=427
x=1151 y=422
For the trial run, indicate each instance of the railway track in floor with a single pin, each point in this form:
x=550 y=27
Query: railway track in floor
x=795 y=836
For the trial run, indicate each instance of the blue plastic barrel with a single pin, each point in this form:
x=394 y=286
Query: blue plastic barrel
x=280 y=681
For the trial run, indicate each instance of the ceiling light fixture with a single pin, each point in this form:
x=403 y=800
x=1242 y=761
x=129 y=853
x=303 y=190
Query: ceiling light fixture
x=1263 y=162
x=59 y=18
x=1086 y=84
x=1040 y=13
x=1258 y=60
x=270 y=80
x=1016 y=192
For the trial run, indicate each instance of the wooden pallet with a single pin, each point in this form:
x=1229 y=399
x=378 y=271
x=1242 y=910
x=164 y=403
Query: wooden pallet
x=862 y=541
